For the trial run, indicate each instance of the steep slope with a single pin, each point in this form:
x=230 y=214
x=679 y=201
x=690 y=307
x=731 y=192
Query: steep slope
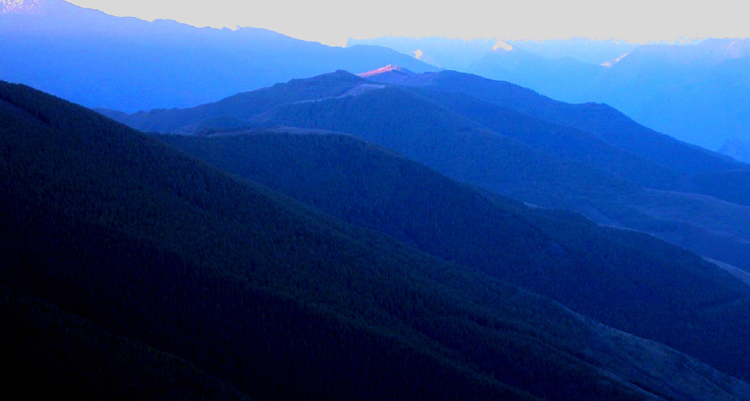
x=463 y=150
x=62 y=352
x=599 y=119
x=241 y=107
x=276 y=299
x=697 y=93
x=548 y=252
x=565 y=141
x=440 y=131
x=595 y=134
x=559 y=78
x=129 y=64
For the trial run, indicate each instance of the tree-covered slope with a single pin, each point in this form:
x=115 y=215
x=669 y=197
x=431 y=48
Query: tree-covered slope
x=272 y=297
x=54 y=352
x=462 y=149
x=599 y=119
x=240 y=107
x=495 y=144
x=628 y=280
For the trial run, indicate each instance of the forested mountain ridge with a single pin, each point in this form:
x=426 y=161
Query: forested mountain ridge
x=196 y=253
x=611 y=275
x=599 y=119
x=607 y=167
x=694 y=90
x=462 y=149
x=271 y=297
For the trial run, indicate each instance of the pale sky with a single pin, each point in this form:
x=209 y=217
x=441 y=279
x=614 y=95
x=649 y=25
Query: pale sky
x=334 y=21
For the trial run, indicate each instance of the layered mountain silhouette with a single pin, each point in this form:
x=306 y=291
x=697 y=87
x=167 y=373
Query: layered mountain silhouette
x=509 y=140
x=459 y=54
x=376 y=189
x=398 y=234
x=154 y=259
x=130 y=64
x=696 y=91
x=737 y=149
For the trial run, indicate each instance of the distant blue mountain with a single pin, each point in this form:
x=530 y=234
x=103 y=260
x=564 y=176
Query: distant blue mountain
x=459 y=54
x=697 y=92
x=737 y=149
x=129 y=64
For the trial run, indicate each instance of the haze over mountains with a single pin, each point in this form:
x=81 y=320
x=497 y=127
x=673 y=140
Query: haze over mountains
x=405 y=233
x=132 y=65
x=695 y=91
x=737 y=148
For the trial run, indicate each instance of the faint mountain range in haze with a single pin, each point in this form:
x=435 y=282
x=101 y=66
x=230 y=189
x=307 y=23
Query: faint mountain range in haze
x=129 y=64
x=696 y=91
x=448 y=53
x=737 y=148
x=459 y=54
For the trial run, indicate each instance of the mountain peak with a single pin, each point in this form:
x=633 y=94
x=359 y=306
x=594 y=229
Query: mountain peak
x=386 y=69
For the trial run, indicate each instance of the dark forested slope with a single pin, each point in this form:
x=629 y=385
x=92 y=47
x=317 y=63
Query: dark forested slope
x=587 y=158
x=602 y=120
x=628 y=280
x=266 y=295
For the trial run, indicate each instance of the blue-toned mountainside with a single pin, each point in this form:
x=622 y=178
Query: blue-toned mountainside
x=459 y=54
x=696 y=91
x=550 y=252
x=736 y=148
x=129 y=64
x=152 y=258
x=509 y=140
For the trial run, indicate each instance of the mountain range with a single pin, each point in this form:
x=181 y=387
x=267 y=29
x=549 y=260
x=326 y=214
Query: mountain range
x=509 y=140
x=235 y=221
x=695 y=91
x=692 y=91
x=131 y=64
x=737 y=149
x=227 y=289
